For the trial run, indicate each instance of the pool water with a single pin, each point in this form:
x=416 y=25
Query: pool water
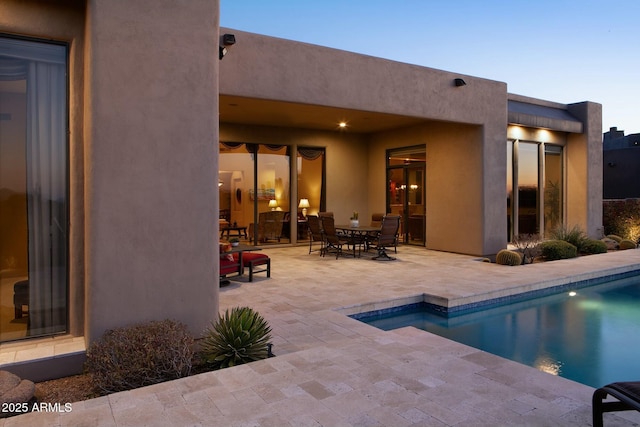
x=591 y=337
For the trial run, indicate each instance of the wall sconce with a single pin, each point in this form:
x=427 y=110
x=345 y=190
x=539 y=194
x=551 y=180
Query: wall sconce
x=459 y=82
x=225 y=41
x=220 y=183
x=273 y=204
x=304 y=204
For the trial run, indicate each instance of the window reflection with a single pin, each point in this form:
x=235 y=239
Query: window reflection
x=254 y=191
x=527 y=188
x=524 y=170
x=552 y=188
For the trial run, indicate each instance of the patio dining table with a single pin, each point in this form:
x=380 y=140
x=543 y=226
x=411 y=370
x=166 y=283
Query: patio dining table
x=361 y=233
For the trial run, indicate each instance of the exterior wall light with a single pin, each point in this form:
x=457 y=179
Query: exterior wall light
x=459 y=82
x=225 y=41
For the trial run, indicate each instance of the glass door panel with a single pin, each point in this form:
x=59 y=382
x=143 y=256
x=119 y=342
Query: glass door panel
x=273 y=185
x=528 y=219
x=416 y=208
x=406 y=194
x=553 y=197
x=33 y=189
x=310 y=169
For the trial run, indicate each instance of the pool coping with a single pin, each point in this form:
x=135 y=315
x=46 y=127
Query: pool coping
x=459 y=305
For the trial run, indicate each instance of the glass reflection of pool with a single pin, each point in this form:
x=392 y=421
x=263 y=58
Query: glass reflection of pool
x=590 y=337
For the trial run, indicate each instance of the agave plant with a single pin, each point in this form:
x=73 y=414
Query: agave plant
x=239 y=336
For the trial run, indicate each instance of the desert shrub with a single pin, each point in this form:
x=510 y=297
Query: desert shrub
x=558 y=249
x=239 y=336
x=140 y=355
x=507 y=257
x=574 y=235
x=614 y=237
x=591 y=246
x=627 y=244
x=622 y=218
x=527 y=246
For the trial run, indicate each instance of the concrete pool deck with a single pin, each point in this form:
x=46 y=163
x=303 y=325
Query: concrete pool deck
x=331 y=370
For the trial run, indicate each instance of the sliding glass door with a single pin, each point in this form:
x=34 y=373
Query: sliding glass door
x=254 y=189
x=535 y=196
x=33 y=189
x=406 y=195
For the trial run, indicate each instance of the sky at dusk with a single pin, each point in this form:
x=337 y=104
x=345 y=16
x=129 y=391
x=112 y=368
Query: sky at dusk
x=559 y=50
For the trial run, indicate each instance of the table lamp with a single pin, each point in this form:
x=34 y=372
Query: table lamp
x=273 y=204
x=304 y=204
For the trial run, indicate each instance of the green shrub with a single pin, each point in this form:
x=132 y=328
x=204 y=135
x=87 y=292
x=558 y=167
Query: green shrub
x=238 y=337
x=614 y=237
x=575 y=236
x=627 y=244
x=591 y=246
x=558 y=249
x=507 y=257
x=140 y=355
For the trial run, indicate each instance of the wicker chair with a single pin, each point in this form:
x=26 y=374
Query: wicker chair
x=269 y=226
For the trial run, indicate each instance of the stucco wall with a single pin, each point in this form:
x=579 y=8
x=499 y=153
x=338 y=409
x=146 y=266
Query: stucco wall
x=151 y=162
x=584 y=184
x=454 y=220
x=267 y=68
x=271 y=68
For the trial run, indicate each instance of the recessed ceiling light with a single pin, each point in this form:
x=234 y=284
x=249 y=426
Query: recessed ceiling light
x=342 y=125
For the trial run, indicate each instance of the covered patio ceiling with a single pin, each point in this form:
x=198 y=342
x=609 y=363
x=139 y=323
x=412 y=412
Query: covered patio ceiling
x=241 y=110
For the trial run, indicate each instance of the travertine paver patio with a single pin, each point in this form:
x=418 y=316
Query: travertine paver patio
x=331 y=370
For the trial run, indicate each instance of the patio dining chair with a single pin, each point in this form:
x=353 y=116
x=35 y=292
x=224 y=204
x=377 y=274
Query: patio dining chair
x=376 y=221
x=333 y=242
x=316 y=235
x=387 y=237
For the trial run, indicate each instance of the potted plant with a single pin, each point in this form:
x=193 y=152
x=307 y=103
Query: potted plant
x=234 y=241
x=354 y=219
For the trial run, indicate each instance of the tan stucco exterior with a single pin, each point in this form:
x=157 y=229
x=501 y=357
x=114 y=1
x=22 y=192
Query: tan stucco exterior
x=458 y=123
x=146 y=87
x=464 y=130
x=150 y=162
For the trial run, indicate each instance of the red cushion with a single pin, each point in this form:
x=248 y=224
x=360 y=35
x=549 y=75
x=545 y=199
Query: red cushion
x=257 y=258
x=228 y=267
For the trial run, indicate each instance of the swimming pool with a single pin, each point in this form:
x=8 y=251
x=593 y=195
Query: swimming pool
x=588 y=335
